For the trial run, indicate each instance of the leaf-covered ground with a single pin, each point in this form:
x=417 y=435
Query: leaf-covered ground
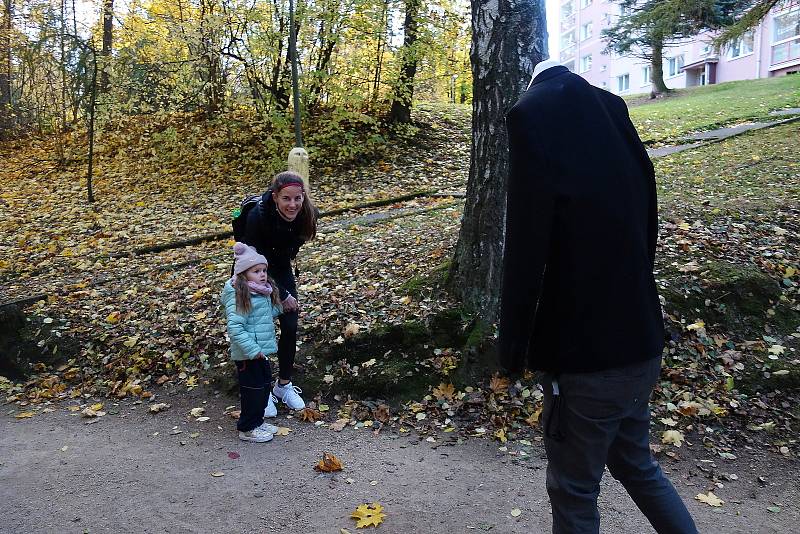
x=158 y=183
x=667 y=120
x=729 y=221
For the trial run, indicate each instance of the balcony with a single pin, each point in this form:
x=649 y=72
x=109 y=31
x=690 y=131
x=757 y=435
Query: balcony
x=567 y=53
x=786 y=51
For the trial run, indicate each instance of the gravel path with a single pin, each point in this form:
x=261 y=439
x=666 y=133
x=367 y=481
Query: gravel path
x=132 y=471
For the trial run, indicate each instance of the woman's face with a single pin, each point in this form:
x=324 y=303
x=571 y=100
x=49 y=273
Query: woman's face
x=257 y=273
x=289 y=201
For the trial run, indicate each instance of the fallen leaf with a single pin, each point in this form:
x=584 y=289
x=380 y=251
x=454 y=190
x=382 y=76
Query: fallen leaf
x=339 y=425
x=329 y=463
x=283 y=431
x=367 y=515
x=217 y=474
x=351 y=330
x=516 y=512
x=533 y=419
x=499 y=384
x=381 y=413
x=673 y=437
x=24 y=415
x=310 y=415
x=710 y=499
x=444 y=391
x=233 y=455
x=197 y=412
x=202 y=419
x=160 y=407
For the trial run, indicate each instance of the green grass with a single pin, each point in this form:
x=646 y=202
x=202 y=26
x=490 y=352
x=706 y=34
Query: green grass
x=712 y=106
x=756 y=173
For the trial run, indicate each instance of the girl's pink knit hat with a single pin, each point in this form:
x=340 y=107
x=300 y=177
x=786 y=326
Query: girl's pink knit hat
x=245 y=257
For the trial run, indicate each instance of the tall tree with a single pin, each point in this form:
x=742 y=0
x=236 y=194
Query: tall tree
x=5 y=67
x=745 y=15
x=108 y=28
x=508 y=38
x=403 y=93
x=646 y=27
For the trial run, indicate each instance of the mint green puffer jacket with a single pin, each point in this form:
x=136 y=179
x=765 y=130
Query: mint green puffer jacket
x=253 y=332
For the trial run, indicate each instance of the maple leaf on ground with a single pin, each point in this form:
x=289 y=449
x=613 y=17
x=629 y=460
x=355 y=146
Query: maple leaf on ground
x=381 y=413
x=499 y=384
x=329 y=463
x=310 y=415
x=367 y=515
x=710 y=499
x=533 y=419
x=675 y=437
x=444 y=391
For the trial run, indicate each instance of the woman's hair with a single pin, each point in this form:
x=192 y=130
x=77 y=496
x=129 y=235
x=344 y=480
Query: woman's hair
x=307 y=218
x=242 y=291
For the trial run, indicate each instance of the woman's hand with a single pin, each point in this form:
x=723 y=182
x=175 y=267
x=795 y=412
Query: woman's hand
x=290 y=304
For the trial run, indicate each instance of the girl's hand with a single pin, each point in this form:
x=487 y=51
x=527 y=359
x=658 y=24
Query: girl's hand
x=290 y=304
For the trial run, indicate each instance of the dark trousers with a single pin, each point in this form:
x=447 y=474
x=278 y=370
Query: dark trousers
x=287 y=342
x=599 y=419
x=254 y=378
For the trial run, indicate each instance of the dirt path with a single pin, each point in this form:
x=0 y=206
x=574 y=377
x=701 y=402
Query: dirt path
x=128 y=471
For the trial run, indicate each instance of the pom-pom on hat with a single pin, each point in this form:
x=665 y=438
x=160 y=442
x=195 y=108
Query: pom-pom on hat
x=245 y=257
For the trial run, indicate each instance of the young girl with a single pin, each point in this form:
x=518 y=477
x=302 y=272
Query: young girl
x=251 y=304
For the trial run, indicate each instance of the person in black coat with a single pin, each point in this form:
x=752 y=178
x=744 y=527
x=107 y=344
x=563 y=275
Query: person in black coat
x=579 y=300
x=277 y=227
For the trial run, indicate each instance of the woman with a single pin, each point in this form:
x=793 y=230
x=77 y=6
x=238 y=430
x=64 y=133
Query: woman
x=281 y=223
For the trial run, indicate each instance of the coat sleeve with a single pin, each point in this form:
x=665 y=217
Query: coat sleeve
x=236 y=327
x=650 y=175
x=529 y=223
x=276 y=310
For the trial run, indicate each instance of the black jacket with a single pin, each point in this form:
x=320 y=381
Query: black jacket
x=272 y=236
x=581 y=227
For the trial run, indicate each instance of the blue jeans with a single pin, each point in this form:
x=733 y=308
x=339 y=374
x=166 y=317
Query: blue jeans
x=598 y=419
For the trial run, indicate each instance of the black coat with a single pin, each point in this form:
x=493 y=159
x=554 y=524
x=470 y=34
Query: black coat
x=273 y=236
x=581 y=227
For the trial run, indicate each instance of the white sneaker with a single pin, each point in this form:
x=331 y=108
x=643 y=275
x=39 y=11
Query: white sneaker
x=289 y=395
x=257 y=435
x=268 y=428
x=271 y=410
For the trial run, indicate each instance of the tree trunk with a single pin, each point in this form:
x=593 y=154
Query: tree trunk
x=90 y=128
x=508 y=39
x=658 y=86
x=403 y=93
x=6 y=115
x=108 y=27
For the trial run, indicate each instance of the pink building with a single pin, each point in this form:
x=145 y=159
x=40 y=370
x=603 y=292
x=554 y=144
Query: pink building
x=771 y=49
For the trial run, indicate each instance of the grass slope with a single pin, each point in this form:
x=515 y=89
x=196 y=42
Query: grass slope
x=666 y=120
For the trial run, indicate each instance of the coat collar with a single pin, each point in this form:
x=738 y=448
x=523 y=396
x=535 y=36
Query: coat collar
x=549 y=73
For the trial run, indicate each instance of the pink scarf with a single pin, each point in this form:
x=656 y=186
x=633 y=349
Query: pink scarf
x=255 y=287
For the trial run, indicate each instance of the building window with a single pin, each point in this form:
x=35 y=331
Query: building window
x=646 y=75
x=607 y=18
x=623 y=83
x=585 y=3
x=706 y=50
x=586 y=31
x=786 y=38
x=567 y=9
x=586 y=63
x=786 y=27
x=568 y=39
x=674 y=65
x=603 y=68
x=741 y=46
